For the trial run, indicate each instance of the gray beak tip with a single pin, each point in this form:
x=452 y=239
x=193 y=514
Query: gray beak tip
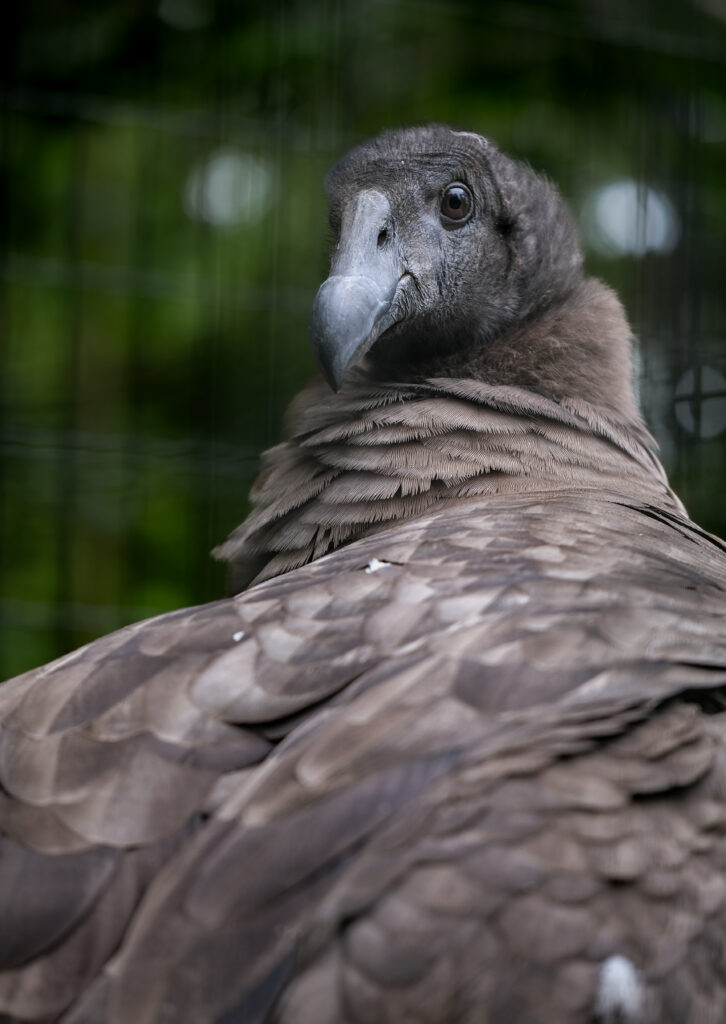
x=333 y=381
x=346 y=319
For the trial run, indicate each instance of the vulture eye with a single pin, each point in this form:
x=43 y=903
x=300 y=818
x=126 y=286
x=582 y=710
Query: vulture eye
x=457 y=204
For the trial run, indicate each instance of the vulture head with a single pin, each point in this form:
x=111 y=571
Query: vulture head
x=446 y=252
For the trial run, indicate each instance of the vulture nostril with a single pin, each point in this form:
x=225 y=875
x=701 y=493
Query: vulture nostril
x=382 y=237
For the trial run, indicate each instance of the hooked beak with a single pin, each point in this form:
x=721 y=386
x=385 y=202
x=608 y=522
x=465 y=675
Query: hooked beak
x=354 y=306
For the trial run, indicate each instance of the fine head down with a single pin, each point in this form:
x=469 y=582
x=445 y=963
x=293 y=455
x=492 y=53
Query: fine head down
x=445 y=252
x=441 y=242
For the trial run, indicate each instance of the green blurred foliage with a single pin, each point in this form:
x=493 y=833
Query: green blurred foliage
x=148 y=353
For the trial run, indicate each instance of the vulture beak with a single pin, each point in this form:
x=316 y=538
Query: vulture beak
x=354 y=306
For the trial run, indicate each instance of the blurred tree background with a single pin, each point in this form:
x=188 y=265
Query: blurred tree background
x=163 y=231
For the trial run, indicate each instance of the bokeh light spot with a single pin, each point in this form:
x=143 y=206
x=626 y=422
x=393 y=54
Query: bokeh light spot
x=628 y=218
x=229 y=187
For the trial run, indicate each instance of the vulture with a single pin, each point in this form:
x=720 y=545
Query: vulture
x=455 y=753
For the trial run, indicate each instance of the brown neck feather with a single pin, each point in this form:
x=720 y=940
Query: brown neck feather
x=578 y=347
x=518 y=417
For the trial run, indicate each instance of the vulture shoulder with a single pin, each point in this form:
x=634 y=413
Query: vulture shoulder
x=458 y=754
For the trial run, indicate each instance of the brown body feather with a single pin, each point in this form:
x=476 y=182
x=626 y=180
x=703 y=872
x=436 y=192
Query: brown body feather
x=393 y=787
x=468 y=767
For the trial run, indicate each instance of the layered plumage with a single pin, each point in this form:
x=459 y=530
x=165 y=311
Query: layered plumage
x=468 y=766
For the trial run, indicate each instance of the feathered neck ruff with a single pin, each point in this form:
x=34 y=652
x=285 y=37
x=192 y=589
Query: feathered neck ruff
x=376 y=454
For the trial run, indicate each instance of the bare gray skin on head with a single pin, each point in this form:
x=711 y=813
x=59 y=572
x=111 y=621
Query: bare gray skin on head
x=452 y=287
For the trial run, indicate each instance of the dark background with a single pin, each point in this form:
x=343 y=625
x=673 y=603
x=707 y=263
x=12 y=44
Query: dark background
x=163 y=230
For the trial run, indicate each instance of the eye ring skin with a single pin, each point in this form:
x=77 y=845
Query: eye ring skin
x=456 y=205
